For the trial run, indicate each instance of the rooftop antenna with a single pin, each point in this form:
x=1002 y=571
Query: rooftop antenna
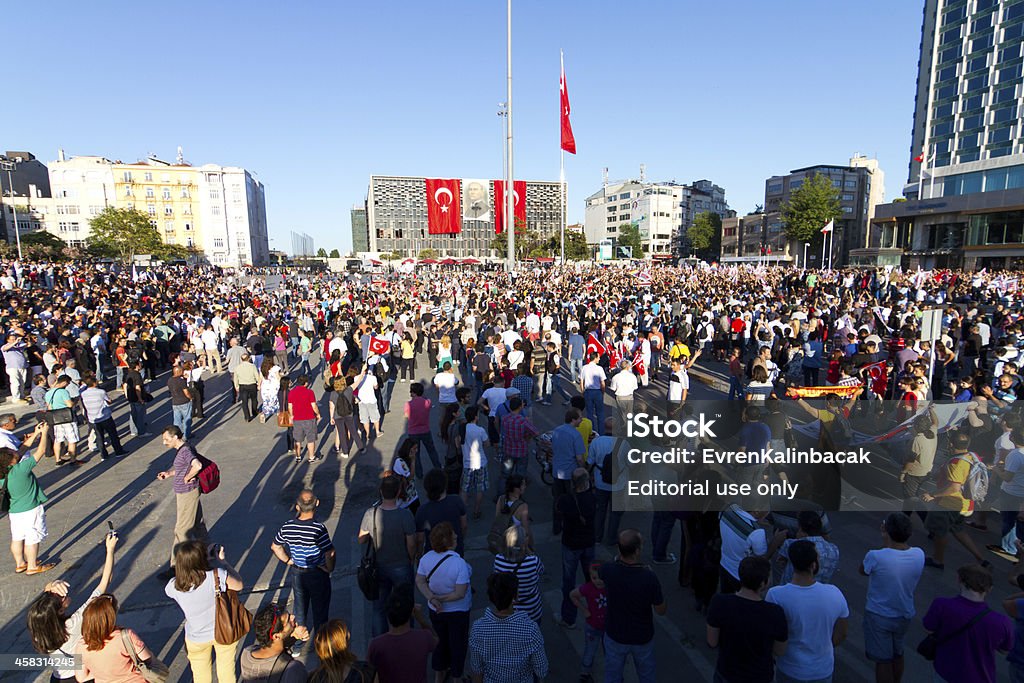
x=643 y=172
x=181 y=156
x=604 y=176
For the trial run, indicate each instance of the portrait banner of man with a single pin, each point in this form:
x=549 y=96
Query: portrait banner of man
x=476 y=200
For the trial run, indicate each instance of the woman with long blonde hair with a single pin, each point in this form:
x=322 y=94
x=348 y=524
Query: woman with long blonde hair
x=338 y=664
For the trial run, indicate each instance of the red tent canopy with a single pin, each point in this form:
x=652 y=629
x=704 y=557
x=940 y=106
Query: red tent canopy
x=470 y=262
x=448 y=262
x=375 y=262
x=428 y=261
x=544 y=259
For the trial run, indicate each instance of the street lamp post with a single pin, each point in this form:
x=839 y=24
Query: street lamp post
x=806 y=244
x=10 y=166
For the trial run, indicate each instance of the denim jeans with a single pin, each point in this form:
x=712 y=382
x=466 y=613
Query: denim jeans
x=311 y=588
x=183 y=418
x=615 y=655
x=591 y=641
x=510 y=466
x=390 y=578
x=661 y=533
x=735 y=388
x=426 y=442
x=575 y=368
x=1013 y=528
x=605 y=512
x=570 y=560
x=594 y=399
x=137 y=418
x=120 y=376
x=389 y=388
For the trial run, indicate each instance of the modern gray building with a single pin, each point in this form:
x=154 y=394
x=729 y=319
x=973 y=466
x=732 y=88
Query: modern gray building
x=700 y=196
x=396 y=215
x=30 y=180
x=965 y=181
x=859 y=187
x=360 y=234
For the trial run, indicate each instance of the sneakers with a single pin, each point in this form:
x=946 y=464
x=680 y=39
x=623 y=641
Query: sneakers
x=668 y=559
x=998 y=550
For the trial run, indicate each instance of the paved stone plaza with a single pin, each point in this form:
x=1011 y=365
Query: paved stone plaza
x=259 y=484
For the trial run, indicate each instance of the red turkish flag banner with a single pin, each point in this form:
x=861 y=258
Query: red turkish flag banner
x=568 y=140
x=379 y=346
x=518 y=196
x=444 y=211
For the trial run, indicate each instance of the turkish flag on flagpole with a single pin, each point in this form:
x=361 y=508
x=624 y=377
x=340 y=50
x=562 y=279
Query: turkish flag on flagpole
x=568 y=141
x=444 y=206
x=379 y=346
x=828 y=227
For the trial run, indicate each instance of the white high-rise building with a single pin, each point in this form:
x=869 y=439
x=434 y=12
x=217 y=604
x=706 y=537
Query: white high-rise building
x=654 y=208
x=233 y=216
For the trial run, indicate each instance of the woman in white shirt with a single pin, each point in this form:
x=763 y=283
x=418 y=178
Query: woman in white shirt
x=442 y=577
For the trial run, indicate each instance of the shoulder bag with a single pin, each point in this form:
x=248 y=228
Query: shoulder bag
x=152 y=669
x=232 y=620
x=366 y=575
x=928 y=647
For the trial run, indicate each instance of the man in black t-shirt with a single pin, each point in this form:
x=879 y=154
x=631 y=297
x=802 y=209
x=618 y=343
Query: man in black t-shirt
x=135 y=394
x=440 y=507
x=181 y=401
x=748 y=631
x=633 y=591
x=578 y=511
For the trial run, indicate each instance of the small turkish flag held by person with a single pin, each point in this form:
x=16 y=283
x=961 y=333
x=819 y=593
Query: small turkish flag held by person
x=379 y=346
x=444 y=212
x=594 y=345
x=568 y=140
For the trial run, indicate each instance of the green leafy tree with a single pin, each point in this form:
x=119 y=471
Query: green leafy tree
x=43 y=245
x=706 y=234
x=810 y=207
x=576 y=248
x=335 y=253
x=629 y=236
x=390 y=257
x=321 y=253
x=428 y=253
x=122 y=233
x=527 y=243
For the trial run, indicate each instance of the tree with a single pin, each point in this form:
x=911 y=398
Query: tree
x=428 y=253
x=43 y=245
x=810 y=207
x=629 y=236
x=576 y=248
x=528 y=244
x=321 y=253
x=122 y=233
x=390 y=257
x=335 y=253
x=706 y=234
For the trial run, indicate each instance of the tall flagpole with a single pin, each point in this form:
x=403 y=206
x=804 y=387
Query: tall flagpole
x=510 y=207
x=824 y=241
x=561 y=168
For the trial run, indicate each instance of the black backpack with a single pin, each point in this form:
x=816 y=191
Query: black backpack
x=608 y=465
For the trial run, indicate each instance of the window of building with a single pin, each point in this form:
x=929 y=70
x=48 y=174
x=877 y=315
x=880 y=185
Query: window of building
x=977 y=64
x=978 y=83
x=1008 y=94
x=972 y=122
x=215 y=210
x=128 y=191
x=1009 y=73
x=951 y=36
x=147 y=176
x=1001 y=134
x=151 y=208
x=1000 y=150
x=947 y=74
x=794 y=184
x=624 y=217
x=95 y=210
x=946 y=92
x=968 y=141
x=836 y=182
x=168 y=226
x=168 y=210
x=1004 y=115
x=965 y=157
x=847 y=197
x=850 y=184
x=188 y=210
x=167 y=193
x=149 y=193
x=944 y=128
x=951 y=54
x=982 y=42
x=214 y=193
x=1013 y=32
x=1013 y=12
x=981 y=23
x=624 y=195
x=218 y=243
x=847 y=209
x=127 y=176
x=184 y=193
x=775 y=188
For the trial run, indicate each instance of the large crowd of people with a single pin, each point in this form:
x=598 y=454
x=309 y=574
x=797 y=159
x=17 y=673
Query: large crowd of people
x=488 y=356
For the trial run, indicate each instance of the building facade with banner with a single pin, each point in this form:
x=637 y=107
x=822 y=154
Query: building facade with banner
x=398 y=208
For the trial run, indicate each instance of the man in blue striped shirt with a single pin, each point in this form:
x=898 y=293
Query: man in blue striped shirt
x=305 y=546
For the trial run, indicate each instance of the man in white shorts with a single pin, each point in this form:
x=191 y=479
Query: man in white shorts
x=58 y=398
x=27 y=514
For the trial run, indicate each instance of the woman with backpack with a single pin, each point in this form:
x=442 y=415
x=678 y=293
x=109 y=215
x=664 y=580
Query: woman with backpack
x=343 y=418
x=512 y=509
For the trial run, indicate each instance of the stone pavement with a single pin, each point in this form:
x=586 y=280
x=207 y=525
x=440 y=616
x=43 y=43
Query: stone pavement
x=259 y=484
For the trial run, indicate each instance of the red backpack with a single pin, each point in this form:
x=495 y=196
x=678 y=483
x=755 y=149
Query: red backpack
x=209 y=474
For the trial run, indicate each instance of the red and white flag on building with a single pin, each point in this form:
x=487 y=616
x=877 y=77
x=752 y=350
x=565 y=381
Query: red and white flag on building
x=568 y=140
x=379 y=345
x=594 y=345
x=444 y=213
x=828 y=227
x=519 y=202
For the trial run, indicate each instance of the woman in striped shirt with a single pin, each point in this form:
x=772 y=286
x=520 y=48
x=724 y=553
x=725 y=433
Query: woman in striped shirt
x=519 y=559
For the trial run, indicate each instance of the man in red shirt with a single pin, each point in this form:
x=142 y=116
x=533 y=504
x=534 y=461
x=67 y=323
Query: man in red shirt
x=417 y=414
x=305 y=414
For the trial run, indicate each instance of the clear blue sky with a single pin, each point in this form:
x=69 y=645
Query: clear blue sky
x=316 y=96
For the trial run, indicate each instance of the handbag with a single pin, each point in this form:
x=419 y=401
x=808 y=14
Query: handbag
x=152 y=669
x=60 y=416
x=284 y=419
x=928 y=647
x=232 y=619
x=367 y=574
